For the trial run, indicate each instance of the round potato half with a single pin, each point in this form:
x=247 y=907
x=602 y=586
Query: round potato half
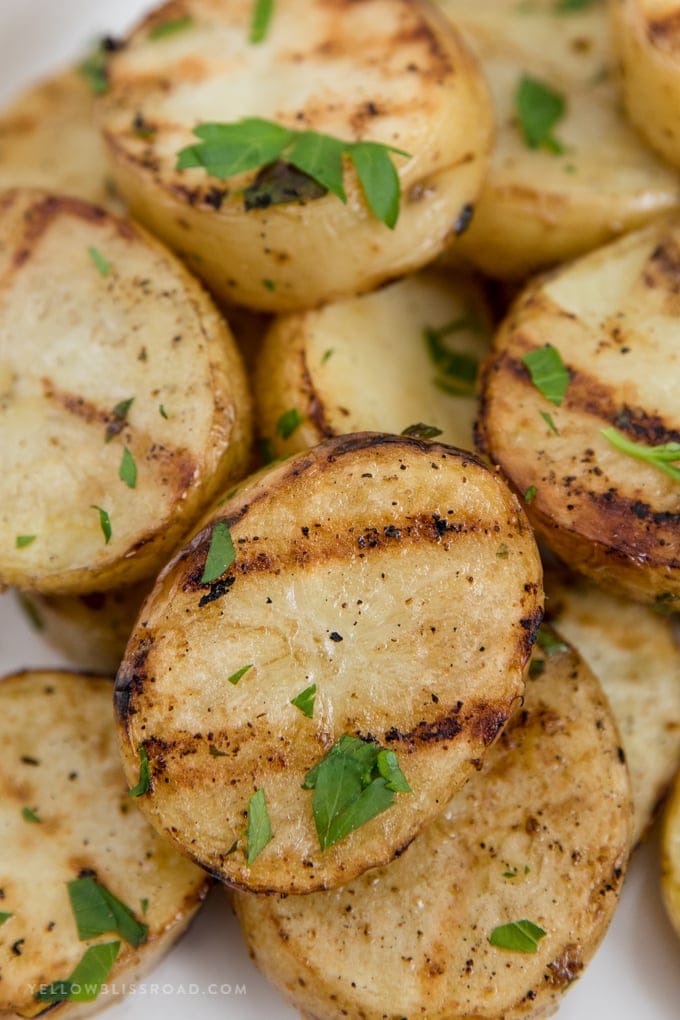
x=383 y=599
x=635 y=655
x=69 y=830
x=418 y=342
x=607 y=326
x=529 y=855
x=49 y=139
x=646 y=36
x=123 y=407
x=586 y=178
x=392 y=72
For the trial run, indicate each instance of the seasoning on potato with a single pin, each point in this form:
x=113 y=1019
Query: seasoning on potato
x=327 y=661
x=124 y=402
x=343 y=148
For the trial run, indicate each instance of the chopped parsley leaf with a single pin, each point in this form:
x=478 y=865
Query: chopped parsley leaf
x=165 y=28
x=539 y=109
x=127 y=471
x=288 y=422
x=305 y=701
x=235 y=677
x=221 y=553
x=144 y=782
x=30 y=814
x=23 y=540
x=259 y=826
x=97 y=912
x=517 y=936
x=260 y=20
x=548 y=372
x=102 y=264
x=85 y=982
x=104 y=522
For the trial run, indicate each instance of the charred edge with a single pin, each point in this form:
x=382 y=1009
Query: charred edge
x=217 y=590
x=646 y=427
x=486 y=723
x=445 y=727
x=156 y=750
x=663 y=32
x=316 y=412
x=632 y=539
x=76 y=405
x=565 y=968
x=530 y=625
x=39 y=216
x=663 y=267
x=130 y=680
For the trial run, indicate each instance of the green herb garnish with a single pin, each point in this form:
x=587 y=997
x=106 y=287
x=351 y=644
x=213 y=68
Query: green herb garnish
x=305 y=700
x=98 y=912
x=572 y=6
x=288 y=423
x=548 y=372
x=93 y=69
x=30 y=611
x=166 y=28
x=517 y=936
x=422 y=431
x=85 y=982
x=221 y=553
x=30 y=814
x=661 y=456
x=23 y=540
x=536 y=668
x=550 y=421
x=216 y=753
x=530 y=494
x=326 y=355
x=259 y=826
x=456 y=371
x=228 y=149
x=550 y=644
x=119 y=415
x=4 y=916
x=104 y=522
x=102 y=264
x=539 y=108
x=269 y=284
x=235 y=677
x=127 y=471
x=144 y=782
x=353 y=783
x=144 y=904
x=163 y=413
x=260 y=20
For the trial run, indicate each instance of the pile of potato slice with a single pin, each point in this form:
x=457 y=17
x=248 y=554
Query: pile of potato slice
x=306 y=468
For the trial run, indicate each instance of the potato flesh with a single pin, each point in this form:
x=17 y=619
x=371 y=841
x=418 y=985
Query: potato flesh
x=382 y=71
x=75 y=342
x=363 y=364
x=542 y=833
x=58 y=757
x=379 y=556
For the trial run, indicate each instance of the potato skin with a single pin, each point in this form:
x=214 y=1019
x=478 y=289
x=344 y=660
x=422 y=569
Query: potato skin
x=611 y=517
x=58 y=756
x=647 y=41
x=389 y=71
x=538 y=208
x=397 y=575
x=92 y=337
x=541 y=832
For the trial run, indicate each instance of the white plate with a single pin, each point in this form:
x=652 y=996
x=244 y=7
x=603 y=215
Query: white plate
x=636 y=973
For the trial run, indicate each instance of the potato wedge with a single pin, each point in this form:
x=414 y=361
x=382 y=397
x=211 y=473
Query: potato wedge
x=611 y=315
x=392 y=587
x=66 y=815
x=384 y=71
x=537 y=206
x=380 y=362
x=670 y=856
x=646 y=35
x=49 y=139
x=636 y=657
x=124 y=401
x=91 y=630
x=541 y=834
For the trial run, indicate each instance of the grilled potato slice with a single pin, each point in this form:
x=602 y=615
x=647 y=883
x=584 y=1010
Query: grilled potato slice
x=385 y=71
x=537 y=206
x=398 y=579
x=646 y=36
x=105 y=336
x=541 y=834
x=65 y=814
x=417 y=342
x=670 y=856
x=634 y=654
x=91 y=630
x=49 y=139
x=612 y=316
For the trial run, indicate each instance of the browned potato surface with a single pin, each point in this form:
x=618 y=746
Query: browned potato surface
x=123 y=407
x=387 y=71
x=65 y=814
x=398 y=578
x=540 y=834
x=403 y=355
x=612 y=316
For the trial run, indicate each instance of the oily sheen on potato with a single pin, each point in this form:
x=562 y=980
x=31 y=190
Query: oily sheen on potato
x=646 y=36
x=583 y=181
x=635 y=654
x=405 y=354
x=65 y=815
x=393 y=72
x=607 y=505
x=49 y=139
x=384 y=593
x=124 y=402
x=537 y=839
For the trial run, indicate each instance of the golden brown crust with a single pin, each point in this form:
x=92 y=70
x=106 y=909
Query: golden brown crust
x=399 y=577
